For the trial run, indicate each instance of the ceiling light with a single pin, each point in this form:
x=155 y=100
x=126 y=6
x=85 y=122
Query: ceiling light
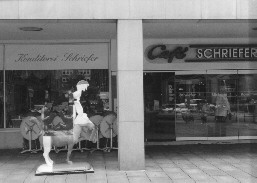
x=31 y=28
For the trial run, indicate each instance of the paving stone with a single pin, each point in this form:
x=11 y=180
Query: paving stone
x=182 y=162
x=204 y=181
x=248 y=180
x=177 y=175
x=35 y=179
x=78 y=178
x=225 y=179
x=139 y=180
x=227 y=167
x=167 y=165
x=21 y=171
x=136 y=173
x=116 y=173
x=156 y=174
x=10 y=166
x=117 y=180
x=201 y=176
x=160 y=180
x=229 y=163
x=206 y=167
x=192 y=170
x=186 y=180
x=96 y=181
x=215 y=172
x=55 y=179
x=153 y=168
x=5 y=173
x=173 y=170
x=93 y=176
x=161 y=161
x=14 y=179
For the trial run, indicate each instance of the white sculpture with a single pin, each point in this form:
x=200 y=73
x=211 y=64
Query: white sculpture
x=63 y=138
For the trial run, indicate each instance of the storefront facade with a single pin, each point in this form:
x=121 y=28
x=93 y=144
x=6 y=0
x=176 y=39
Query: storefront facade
x=126 y=69
x=198 y=91
x=44 y=74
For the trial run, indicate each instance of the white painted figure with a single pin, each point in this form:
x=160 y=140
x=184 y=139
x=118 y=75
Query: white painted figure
x=81 y=120
x=63 y=138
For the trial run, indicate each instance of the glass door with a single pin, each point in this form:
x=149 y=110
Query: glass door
x=222 y=92
x=247 y=104
x=159 y=103
x=192 y=109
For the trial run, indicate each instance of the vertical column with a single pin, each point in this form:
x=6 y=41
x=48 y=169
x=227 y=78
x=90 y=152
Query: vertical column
x=130 y=95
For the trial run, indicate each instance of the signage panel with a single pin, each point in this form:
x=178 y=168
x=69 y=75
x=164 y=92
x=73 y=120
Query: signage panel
x=56 y=57
x=168 y=53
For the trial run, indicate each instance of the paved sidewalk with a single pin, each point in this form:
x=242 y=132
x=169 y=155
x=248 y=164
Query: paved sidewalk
x=179 y=163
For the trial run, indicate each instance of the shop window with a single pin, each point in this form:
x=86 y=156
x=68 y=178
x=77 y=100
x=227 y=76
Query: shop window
x=27 y=91
x=222 y=95
x=1 y=100
x=247 y=104
x=190 y=102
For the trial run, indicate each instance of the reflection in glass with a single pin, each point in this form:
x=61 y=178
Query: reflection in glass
x=159 y=99
x=247 y=108
x=1 y=100
x=28 y=90
x=222 y=95
x=191 y=106
x=206 y=105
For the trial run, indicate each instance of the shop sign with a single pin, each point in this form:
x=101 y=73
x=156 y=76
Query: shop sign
x=161 y=52
x=223 y=53
x=200 y=53
x=56 y=57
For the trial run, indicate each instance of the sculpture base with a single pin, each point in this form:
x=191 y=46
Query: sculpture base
x=64 y=168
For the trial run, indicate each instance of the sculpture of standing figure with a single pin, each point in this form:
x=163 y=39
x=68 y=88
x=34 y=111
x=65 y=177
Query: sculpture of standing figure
x=81 y=120
x=63 y=138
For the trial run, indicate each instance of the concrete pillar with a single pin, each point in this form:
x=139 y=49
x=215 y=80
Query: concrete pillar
x=130 y=95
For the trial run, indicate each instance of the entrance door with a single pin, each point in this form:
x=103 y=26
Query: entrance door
x=159 y=103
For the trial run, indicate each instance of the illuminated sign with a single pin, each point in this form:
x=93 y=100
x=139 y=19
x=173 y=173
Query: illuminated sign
x=200 y=53
x=220 y=53
x=162 y=51
x=223 y=53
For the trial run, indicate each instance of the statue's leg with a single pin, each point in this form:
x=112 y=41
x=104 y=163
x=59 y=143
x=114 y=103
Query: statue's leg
x=76 y=133
x=47 y=143
x=70 y=147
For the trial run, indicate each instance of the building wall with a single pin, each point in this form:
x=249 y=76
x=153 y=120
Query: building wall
x=128 y=9
x=10 y=139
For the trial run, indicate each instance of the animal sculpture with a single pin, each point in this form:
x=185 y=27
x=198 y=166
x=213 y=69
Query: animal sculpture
x=68 y=138
x=71 y=137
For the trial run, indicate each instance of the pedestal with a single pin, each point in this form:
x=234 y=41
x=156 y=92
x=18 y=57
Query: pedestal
x=64 y=168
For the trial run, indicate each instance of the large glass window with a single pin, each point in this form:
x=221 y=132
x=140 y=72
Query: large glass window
x=208 y=104
x=1 y=100
x=159 y=102
x=28 y=90
x=247 y=104
x=190 y=97
x=222 y=97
